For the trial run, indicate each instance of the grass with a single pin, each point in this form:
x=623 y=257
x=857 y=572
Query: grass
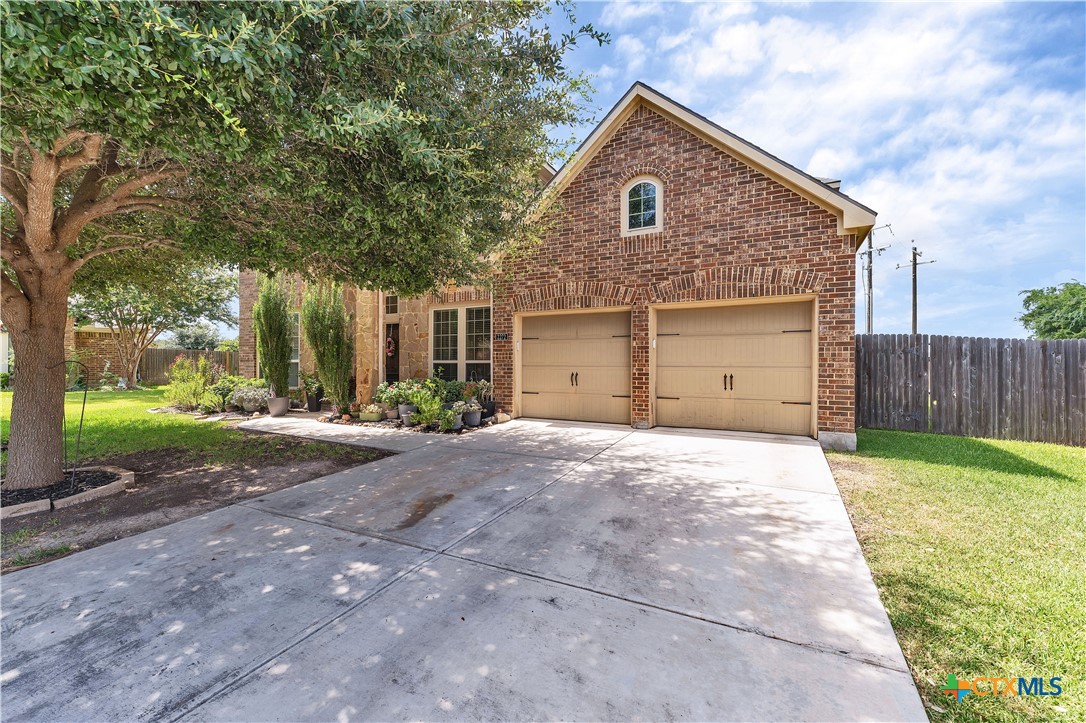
x=117 y=423
x=41 y=555
x=978 y=548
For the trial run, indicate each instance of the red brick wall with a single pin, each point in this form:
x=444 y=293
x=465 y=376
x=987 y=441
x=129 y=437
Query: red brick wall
x=95 y=348
x=729 y=232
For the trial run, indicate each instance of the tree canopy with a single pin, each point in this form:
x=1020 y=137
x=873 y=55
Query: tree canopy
x=389 y=145
x=1055 y=312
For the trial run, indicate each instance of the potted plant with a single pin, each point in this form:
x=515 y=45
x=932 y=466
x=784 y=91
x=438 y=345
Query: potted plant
x=370 y=413
x=485 y=392
x=272 y=322
x=401 y=395
x=448 y=420
x=472 y=411
x=311 y=383
x=327 y=327
x=252 y=397
x=427 y=407
x=460 y=408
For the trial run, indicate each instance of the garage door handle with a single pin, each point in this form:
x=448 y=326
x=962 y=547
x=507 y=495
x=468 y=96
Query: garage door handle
x=571 y=379
x=577 y=379
x=731 y=381
x=725 y=382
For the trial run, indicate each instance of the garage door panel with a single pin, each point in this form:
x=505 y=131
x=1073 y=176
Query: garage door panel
x=547 y=379
x=695 y=412
x=722 y=320
x=605 y=380
x=701 y=351
x=767 y=416
x=549 y=405
x=603 y=408
x=792 y=385
x=689 y=382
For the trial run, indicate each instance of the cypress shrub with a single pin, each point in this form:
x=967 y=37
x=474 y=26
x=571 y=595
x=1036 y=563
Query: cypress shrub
x=327 y=328
x=272 y=321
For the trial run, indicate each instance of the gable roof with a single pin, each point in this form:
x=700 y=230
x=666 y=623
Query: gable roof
x=852 y=216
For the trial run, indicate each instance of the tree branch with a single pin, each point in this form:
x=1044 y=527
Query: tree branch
x=146 y=244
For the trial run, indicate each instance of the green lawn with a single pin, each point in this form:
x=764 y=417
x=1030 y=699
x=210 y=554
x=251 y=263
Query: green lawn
x=118 y=423
x=978 y=548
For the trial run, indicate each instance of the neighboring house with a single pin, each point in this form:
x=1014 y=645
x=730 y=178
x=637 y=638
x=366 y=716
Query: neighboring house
x=692 y=280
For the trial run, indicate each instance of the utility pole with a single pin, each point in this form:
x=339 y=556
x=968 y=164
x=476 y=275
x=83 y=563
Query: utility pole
x=869 y=264
x=915 y=263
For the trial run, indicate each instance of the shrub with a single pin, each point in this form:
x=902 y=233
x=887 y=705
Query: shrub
x=327 y=327
x=253 y=393
x=454 y=391
x=311 y=383
x=189 y=382
x=5 y=380
x=446 y=420
x=222 y=391
x=429 y=406
x=272 y=322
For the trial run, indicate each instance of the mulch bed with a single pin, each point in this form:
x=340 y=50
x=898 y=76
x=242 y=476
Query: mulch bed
x=81 y=481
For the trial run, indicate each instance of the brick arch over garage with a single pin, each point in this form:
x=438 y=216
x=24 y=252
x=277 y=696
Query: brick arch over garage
x=574 y=295
x=737 y=282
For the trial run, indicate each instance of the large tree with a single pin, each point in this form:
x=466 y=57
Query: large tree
x=388 y=145
x=1055 y=312
x=139 y=295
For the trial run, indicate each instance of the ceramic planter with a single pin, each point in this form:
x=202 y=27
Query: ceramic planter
x=473 y=419
x=489 y=408
x=371 y=416
x=406 y=409
x=278 y=406
x=313 y=401
x=392 y=414
x=406 y=417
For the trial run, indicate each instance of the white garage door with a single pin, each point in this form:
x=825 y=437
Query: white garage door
x=735 y=367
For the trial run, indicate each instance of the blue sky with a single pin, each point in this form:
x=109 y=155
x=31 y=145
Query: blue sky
x=963 y=125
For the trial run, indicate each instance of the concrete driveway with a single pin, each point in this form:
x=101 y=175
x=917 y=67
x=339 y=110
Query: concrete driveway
x=534 y=570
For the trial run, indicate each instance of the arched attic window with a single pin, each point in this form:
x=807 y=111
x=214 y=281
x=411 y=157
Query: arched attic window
x=642 y=206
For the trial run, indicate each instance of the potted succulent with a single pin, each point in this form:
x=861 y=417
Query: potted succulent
x=311 y=383
x=485 y=393
x=472 y=411
x=459 y=408
x=252 y=397
x=370 y=413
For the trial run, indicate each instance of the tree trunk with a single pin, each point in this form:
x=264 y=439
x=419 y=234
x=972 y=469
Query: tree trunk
x=36 y=447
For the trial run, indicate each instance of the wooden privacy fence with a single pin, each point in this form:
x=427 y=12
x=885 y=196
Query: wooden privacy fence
x=156 y=362
x=1029 y=389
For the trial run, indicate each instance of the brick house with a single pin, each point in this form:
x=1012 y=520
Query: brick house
x=691 y=279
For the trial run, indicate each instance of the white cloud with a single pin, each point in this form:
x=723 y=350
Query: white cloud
x=622 y=13
x=632 y=52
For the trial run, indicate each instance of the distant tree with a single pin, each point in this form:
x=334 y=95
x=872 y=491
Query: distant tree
x=140 y=298
x=1055 y=312
x=228 y=345
x=200 y=335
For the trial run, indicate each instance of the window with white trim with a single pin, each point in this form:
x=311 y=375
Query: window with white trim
x=642 y=206
x=460 y=343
